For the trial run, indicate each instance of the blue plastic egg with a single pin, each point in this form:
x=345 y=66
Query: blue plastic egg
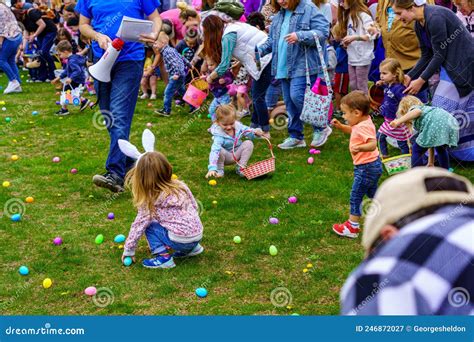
x=201 y=292
x=16 y=217
x=34 y=112
x=119 y=238
x=127 y=261
x=23 y=270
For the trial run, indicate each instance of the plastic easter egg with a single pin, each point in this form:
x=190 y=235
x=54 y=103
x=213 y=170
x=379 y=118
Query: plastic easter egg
x=73 y=171
x=237 y=239
x=4 y=109
x=127 y=261
x=14 y=157
x=214 y=203
x=16 y=217
x=56 y=160
x=35 y=112
x=174 y=177
x=90 y=291
x=451 y=169
x=149 y=124
x=119 y=238
x=310 y=160
x=273 y=220
x=29 y=199
x=201 y=292
x=150 y=104
x=8 y=119
x=47 y=283
x=23 y=270
x=273 y=250
x=212 y=182
x=2 y=103
x=57 y=241
x=208 y=116
x=99 y=239
x=6 y=184
x=110 y=216
x=292 y=199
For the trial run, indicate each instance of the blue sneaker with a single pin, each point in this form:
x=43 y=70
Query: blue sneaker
x=159 y=262
x=198 y=249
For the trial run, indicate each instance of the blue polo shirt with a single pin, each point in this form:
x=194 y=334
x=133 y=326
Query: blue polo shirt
x=106 y=16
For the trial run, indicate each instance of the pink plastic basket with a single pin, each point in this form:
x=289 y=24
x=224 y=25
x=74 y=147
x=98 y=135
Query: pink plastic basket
x=259 y=168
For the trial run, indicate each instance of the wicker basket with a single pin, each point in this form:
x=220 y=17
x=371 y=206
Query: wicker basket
x=259 y=168
x=375 y=97
x=397 y=164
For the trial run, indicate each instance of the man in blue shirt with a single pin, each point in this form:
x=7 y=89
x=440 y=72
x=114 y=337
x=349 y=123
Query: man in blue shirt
x=100 y=21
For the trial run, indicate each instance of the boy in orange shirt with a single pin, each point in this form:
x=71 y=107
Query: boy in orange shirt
x=365 y=155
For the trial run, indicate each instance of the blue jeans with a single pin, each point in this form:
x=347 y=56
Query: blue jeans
x=366 y=178
x=418 y=154
x=293 y=95
x=158 y=240
x=7 y=57
x=117 y=100
x=273 y=93
x=259 y=89
x=173 y=87
x=46 y=70
x=382 y=138
x=224 y=99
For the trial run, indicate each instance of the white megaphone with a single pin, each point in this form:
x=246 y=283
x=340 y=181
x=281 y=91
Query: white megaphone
x=101 y=70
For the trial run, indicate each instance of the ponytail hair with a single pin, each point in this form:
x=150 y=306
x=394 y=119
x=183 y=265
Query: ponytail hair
x=186 y=11
x=394 y=67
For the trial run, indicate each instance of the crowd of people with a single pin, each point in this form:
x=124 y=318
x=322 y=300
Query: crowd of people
x=256 y=56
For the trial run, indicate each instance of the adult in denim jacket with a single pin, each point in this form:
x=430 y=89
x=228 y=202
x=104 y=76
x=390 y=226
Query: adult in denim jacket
x=291 y=40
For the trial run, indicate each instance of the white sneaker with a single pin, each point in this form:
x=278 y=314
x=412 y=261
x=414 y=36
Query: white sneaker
x=13 y=87
x=320 y=137
x=153 y=97
x=144 y=96
x=291 y=143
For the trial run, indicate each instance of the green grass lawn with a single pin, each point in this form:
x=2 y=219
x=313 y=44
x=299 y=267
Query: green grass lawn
x=239 y=277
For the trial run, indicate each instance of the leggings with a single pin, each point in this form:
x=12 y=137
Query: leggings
x=359 y=78
x=242 y=153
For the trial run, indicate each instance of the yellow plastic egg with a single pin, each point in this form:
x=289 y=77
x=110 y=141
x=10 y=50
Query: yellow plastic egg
x=212 y=182
x=29 y=199
x=14 y=157
x=47 y=283
x=173 y=176
x=6 y=184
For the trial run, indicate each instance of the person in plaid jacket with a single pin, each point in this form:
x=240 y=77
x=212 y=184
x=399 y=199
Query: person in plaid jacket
x=176 y=68
x=420 y=248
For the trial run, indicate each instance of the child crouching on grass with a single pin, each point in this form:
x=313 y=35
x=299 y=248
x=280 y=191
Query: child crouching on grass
x=224 y=131
x=365 y=155
x=167 y=213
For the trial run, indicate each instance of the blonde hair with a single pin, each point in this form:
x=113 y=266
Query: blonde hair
x=150 y=178
x=225 y=111
x=394 y=67
x=404 y=107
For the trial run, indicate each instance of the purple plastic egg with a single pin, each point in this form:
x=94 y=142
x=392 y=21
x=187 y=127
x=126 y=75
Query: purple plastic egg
x=57 y=241
x=273 y=220
x=292 y=199
x=111 y=216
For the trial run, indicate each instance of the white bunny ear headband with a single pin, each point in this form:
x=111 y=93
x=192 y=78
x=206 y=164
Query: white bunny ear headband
x=148 y=142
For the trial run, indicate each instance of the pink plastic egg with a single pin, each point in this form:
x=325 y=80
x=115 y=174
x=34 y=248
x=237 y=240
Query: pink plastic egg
x=90 y=291
x=57 y=241
x=310 y=160
x=292 y=199
x=273 y=220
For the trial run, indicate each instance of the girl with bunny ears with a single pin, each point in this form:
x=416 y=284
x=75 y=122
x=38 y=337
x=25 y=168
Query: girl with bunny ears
x=168 y=214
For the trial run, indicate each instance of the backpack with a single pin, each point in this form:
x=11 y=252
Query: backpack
x=232 y=8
